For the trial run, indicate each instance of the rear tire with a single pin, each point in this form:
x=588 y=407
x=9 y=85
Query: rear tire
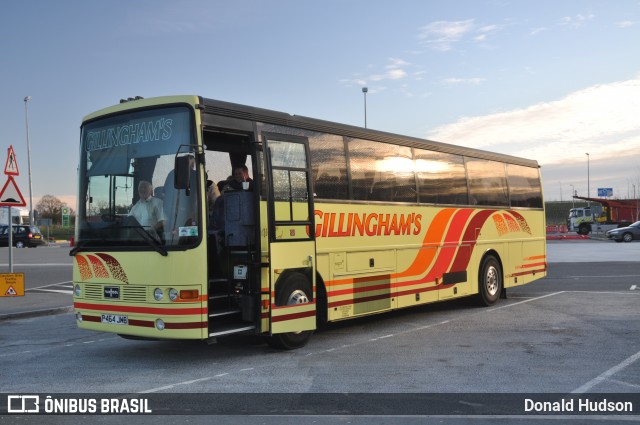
x=295 y=289
x=490 y=283
x=19 y=244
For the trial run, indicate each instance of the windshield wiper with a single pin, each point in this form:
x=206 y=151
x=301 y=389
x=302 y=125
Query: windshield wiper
x=149 y=238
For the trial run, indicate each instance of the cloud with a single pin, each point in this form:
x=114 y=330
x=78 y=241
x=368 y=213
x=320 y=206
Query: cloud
x=394 y=70
x=538 y=30
x=601 y=120
x=453 y=81
x=441 y=35
x=625 y=24
x=397 y=63
x=392 y=74
x=576 y=21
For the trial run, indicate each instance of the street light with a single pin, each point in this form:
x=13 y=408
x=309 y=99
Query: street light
x=588 y=178
x=573 y=193
x=364 y=91
x=26 y=115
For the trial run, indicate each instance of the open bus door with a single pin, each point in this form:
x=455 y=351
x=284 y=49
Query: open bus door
x=291 y=241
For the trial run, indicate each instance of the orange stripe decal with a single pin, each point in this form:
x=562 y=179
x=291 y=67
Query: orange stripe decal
x=433 y=237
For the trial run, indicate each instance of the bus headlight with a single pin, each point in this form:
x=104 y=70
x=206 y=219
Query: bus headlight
x=173 y=294
x=76 y=290
x=158 y=294
x=79 y=317
x=159 y=324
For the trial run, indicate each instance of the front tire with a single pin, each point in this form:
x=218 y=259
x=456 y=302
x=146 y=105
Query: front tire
x=627 y=237
x=295 y=289
x=490 y=283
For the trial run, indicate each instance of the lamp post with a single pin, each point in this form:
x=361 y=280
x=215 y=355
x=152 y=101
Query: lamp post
x=634 y=197
x=364 y=91
x=26 y=116
x=588 y=178
x=573 y=193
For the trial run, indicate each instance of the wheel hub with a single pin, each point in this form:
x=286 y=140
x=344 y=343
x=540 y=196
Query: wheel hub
x=492 y=281
x=297 y=297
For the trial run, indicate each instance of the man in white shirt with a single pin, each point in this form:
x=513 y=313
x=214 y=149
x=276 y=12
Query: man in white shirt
x=148 y=210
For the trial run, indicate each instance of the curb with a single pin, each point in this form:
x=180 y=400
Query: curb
x=36 y=313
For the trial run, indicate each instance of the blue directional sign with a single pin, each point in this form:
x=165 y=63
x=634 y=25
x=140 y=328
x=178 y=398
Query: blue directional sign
x=605 y=192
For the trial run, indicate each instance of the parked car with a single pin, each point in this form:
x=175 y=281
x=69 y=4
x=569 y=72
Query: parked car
x=626 y=234
x=23 y=235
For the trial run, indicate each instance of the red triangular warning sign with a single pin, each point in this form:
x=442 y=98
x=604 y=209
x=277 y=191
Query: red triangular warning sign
x=11 y=167
x=10 y=195
x=11 y=292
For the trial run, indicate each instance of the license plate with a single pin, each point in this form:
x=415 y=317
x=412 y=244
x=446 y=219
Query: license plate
x=115 y=319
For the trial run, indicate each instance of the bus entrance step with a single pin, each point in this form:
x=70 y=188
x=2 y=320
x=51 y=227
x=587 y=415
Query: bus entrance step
x=229 y=330
x=226 y=312
x=218 y=280
x=218 y=283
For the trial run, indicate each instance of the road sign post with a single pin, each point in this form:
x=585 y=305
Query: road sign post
x=10 y=196
x=65 y=216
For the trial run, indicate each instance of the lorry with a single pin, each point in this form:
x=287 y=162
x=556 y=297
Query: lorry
x=609 y=214
x=18 y=215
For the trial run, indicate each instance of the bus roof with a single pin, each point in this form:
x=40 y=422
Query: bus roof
x=251 y=113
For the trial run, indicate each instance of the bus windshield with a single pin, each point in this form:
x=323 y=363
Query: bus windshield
x=127 y=181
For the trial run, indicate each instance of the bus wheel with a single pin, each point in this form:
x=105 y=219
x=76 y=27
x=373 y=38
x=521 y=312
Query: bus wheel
x=489 y=281
x=296 y=289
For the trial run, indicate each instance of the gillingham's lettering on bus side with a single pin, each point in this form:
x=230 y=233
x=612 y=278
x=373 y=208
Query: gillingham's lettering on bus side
x=334 y=225
x=152 y=131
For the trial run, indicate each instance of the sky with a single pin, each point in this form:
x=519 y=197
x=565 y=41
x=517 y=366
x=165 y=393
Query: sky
x=543 y=79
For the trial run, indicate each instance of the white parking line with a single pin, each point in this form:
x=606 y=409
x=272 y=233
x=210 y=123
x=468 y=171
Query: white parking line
x=68 y=282
x=525 y=301
x=58 y=291
x=61 y=291
x=607 y=374
x=192 y=381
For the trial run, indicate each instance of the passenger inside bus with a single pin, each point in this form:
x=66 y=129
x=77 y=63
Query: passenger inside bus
x=241 y=179
x=149 y=210
x=222 y=235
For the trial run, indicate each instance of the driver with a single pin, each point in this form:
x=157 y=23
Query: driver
x=148 y=210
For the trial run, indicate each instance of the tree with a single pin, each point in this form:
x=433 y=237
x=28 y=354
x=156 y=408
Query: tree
x=51 y=207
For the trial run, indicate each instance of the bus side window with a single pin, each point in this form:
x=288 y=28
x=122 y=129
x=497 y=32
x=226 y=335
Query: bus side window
x=329 y=166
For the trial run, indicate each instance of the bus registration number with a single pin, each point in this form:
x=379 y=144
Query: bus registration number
x=115 y=319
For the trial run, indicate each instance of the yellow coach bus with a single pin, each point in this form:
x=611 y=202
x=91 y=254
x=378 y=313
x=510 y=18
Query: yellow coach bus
x=199 y=218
